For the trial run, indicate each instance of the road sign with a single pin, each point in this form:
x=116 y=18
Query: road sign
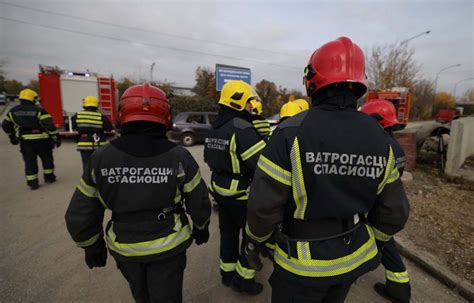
x=225 y=73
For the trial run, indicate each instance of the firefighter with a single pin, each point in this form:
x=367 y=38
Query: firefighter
x=231 y=150
x=260 y=123
x=149 y=183
x=289 y=109
x=91 y=126
x=397 y=283
x=321 y=171
x=32 y=127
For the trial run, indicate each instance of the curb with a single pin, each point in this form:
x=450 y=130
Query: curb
x=432 y=266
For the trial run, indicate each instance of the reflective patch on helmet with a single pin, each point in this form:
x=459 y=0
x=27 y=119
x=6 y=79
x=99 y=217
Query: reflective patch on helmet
x=237 y=96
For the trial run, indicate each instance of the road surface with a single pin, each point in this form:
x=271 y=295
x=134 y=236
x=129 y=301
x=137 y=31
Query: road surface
x=40 y=263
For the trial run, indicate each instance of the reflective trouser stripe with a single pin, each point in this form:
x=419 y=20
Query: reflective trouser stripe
x=88 y=242
x=227 y=267
x=254 y=237
x=381 y=236
x=148 y=247
x=31 y=177
x=48 y=171
x=35 y=136
x=328 y=268
x=397 y=277
x=244 y=272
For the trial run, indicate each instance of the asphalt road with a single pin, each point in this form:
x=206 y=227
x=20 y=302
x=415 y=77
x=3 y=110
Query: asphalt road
x=40 y=263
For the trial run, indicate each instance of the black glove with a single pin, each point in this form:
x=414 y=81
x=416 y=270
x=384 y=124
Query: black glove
x=252 y=253
x=201 y=236
x=56 y=141
x=14 y=140
x=96 y=254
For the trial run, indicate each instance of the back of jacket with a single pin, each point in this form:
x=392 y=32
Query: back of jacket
x=231 y=150
x=138 y=190
x=29 y=122
x=91 y=126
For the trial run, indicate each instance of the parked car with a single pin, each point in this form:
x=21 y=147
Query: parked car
x=191 y=127
x=3 y=99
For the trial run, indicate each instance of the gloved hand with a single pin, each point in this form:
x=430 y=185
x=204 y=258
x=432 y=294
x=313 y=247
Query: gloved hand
x=201 y=236
x=56 y=141
x=14 y=140
x=252 y=253
x=96 y=254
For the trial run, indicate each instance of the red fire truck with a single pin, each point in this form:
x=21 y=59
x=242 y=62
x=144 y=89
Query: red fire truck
x=62 y=91
x=400 y=97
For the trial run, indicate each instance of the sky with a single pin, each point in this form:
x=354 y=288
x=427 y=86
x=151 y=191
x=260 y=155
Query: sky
x=273 y=38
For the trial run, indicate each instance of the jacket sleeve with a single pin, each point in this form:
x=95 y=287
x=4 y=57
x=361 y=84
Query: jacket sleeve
x=270 y=189
x=8 y=125
x=195 y=193
x=46 y=121
x=85 y=213
x=74 y=121
x=391 y=209
x=249 y=147
x=107 y=124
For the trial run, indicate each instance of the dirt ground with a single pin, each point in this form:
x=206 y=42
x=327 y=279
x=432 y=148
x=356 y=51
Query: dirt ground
x=442 y=219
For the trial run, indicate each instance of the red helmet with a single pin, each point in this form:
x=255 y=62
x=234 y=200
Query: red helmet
x=144 y=103
x=383 y=110
x=337 y=61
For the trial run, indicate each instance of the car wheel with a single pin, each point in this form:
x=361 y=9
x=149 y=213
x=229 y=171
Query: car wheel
x=187 y=139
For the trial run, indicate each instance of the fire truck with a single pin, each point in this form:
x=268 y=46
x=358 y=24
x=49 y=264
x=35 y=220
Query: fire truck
x=62 y=92
x=400 y=97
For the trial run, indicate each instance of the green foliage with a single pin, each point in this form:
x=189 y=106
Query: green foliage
x=205 y=86
x=12 y=87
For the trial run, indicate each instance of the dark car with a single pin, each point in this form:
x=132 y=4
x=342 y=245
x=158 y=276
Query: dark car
x=191 y=127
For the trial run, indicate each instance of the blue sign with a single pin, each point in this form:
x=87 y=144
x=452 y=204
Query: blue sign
x=225 y=73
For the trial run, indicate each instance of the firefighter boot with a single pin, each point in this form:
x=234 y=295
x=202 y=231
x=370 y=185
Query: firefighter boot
x=395 y=292
x=33 y=184
x=227 y=278
x=49 y=178
x=247 y=286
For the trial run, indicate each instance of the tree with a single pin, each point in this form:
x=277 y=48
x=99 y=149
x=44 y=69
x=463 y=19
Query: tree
x=392 y=65
x=205 y=86
x=34 y=85
x=422 y=95
x=468 y=96
x=444 y=100
x=270 y=95
x=123 y=85
x=12 y=87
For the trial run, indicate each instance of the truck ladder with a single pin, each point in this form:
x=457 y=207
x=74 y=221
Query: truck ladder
x=105 y=97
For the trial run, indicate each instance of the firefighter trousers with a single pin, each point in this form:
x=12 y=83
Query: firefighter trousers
x=157 y=281
x=285 y=290
x=85 y=155
x=233 y=264
x=397 y=282
x=30 y=150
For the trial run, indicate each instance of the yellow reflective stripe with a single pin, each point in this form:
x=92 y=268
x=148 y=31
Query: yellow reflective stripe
x=45 y=116
x=100 y=143
x=31 y=177
x=181 y=172
x=225 y=191
x=270 y=245
x=273 y=170
x=88 y=242
x=48 y=171
x=202 y=226
x=397 y=277
x=89 y=121
x=381 y=236
x=102 y=200
x=227 y=267
x=297 y=181
x=86 y=112
x=7 y=118
x=233 y=156
x=148 y=247
x=177 y=197
x=391 y=172
x=191 y=185
x=244 y=197
x=244 y=272
x=87 y=190
x=87 y=116
x=303 y=251
x=254 y=237
x=328 y=268
x=35 y=136
x=253 y=150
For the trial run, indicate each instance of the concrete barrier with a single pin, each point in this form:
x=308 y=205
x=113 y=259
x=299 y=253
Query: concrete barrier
x=461 y=144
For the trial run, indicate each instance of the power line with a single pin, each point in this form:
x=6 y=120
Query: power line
x=149 y=31
x=147 y=44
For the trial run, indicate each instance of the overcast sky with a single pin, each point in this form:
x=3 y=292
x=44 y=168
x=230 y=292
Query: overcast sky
x=276 y=38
